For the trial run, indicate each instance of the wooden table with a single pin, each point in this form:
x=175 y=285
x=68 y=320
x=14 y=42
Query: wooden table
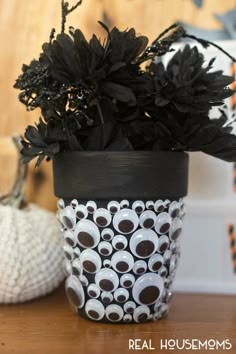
x=47 y=326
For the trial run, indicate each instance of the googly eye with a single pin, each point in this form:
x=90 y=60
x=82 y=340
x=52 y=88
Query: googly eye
x=174 y=209
x=140 y=267
x=173 y=247
x=74 y=203
x=77 y=268
x=122 y=261
x=94 y=309
x=167 y=256
x=182 y=212
x=113 y=207
x=119 y=242
x=144 y=243
x=68 y=252
x=167 y=203
x=148 y=288
x=163 y=223
x=91 y=261
x=107 y=234
x=121 y=295
x=169 y=296
x=125 y=221
x=68 y=217
x=141 y=314
x=106 y=297
x=70 y=238
x=147 y=219
x=77 y=252
x=91 y=207
x=157 y=306
x=124 y=204
x=138 y=206
x=164 y=310
x=105 y=248
x=67 y=267
x=93 y=291
x=159 y=206
x=127 y=318
x=87 y=233
x=114 y=313
x=176 y=229
x=107 y=263
x=81 y=212
x=173 y=265
x=155 y=262
x=163 y=244
x=61 y=204
x=129 y=306
x=150 y=204
x=163 y=271
x=107 y=280
x=83 y=280
x=127 y=280
x=102 y=217
x=74 y=291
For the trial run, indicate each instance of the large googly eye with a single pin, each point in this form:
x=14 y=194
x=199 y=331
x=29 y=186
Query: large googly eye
x=176 y=229
x=68 y=217
x=155 y=262
x=102 y=217
x=105 y=248
x=122 y=261
x=77 y=252
x=125 y=221
x=74 y=203
x=150 y=204
x=67 y=267
x=139 y=267
x=114 y=313
x=159 y=206
x=74 y=291
x=81 y=212
x=106 y=297
x=87 y=234
x=113 y=207
x=83 y=280
x=129 y=306
x=91 y=207
x=147 y=219
x=77 y=268
x=138 y=206
x=107 y=280
x=127 y=318
x=141 y=314
x=163 y=271
x=68 y=252
x=107 y=234
x=119 y=242
x=61 y=204
x=94 y=309
x=127 y=280
x=174 y=209
x=124 y=204
x=107 y=263
x=148 y=288
x=121 y=295
x=93 y=291
x=167 y=256
x=144 y=243
x=164 y=243
x=163 y=223
x=91 y=261
x=70 y=238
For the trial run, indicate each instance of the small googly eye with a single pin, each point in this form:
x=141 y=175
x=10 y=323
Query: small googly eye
x=68 y=251
x=93 y=291
x=67 y=267
x=121 y=295
x=114 y=313
x=163 y=271
x=107 y=234
x=113 y=207
x=141 y=314
x=148 y=289
x=127 y=280
x=163 y=244
x=119 y=242
x=107 y=263
x=167 y=203
x=87 y=233
x=74 y=203
x=70 y=238
x=91 y=261
x=83 y=280
x=127 y=318
x=140 y=267
x=106 y=297
x=77 y=252
x=122 y=261
x=91 y=207
x=173 y=247
x=159 y=206
x=155 y=262
x=174 y=209
x=68 y=217
x=138 y=206
x=157 y=306
x=81 y=212
x=164 y=310
x=169 y=296
x=173 y=264
x=102 y=217
x=74 y=291
x=77 y=268
x=124 y=204
x=167 y=256
x=147 y=219
x=125 y=221
x=129 y=306
x=107 y=280
x=176 y=229
x=94 y=309
x=150 y=204
x=61 y=204
x=105 y=248
x=182 y=212
x=163 y=223
x=144 y=243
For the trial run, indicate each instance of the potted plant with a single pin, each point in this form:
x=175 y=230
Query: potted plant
x=118 y=134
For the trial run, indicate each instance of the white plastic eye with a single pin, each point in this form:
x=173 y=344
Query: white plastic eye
x=125 y=221
x=127 y=280
x=140 y=267
x=114 y=313
x=107 y=280
x=67 y=267
x=174 y=209
x=129 y=306
x=163 y=223
x=105 y=248
x=83 y=280
x=148 y=288
x=77 y=252
x=119 y=242
x=106 y=297
x=167 y=203
x=155 y=262
x=77 y=268
x=159 y=206
x=74 y=203
x=91 y=207
x=102 y=217
x=74 y=291
x=70 y=238
x=141 y=314
x=176 y=229
x=124 y=204
x=93 y=291
x=113 y=207
x=87 y=233
x=94 y=309
x=81 y=212
x=138 y=206
x=68 y=217
x=107 y=263
x=144 y=243
x=121 y=295
x=147 y=219
x=150 y=204
x=164 y=243
x=107 y=234
x=61 y=204
x=91 y=261
x=68 y=251
x=127 y=318
x=163 y=272
x=122 y=261
x=167 y=256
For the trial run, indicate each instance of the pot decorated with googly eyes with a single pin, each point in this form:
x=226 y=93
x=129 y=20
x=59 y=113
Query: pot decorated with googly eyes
x=121 y=217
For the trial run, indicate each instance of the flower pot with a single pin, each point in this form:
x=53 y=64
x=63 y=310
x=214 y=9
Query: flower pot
x=121 y=215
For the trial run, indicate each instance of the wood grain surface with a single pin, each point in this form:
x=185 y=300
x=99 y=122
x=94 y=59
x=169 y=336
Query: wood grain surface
x=47 y=326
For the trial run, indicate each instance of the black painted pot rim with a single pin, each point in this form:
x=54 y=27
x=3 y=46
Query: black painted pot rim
x=120 y=175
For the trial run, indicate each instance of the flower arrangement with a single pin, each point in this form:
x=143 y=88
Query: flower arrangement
x=97 y=95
